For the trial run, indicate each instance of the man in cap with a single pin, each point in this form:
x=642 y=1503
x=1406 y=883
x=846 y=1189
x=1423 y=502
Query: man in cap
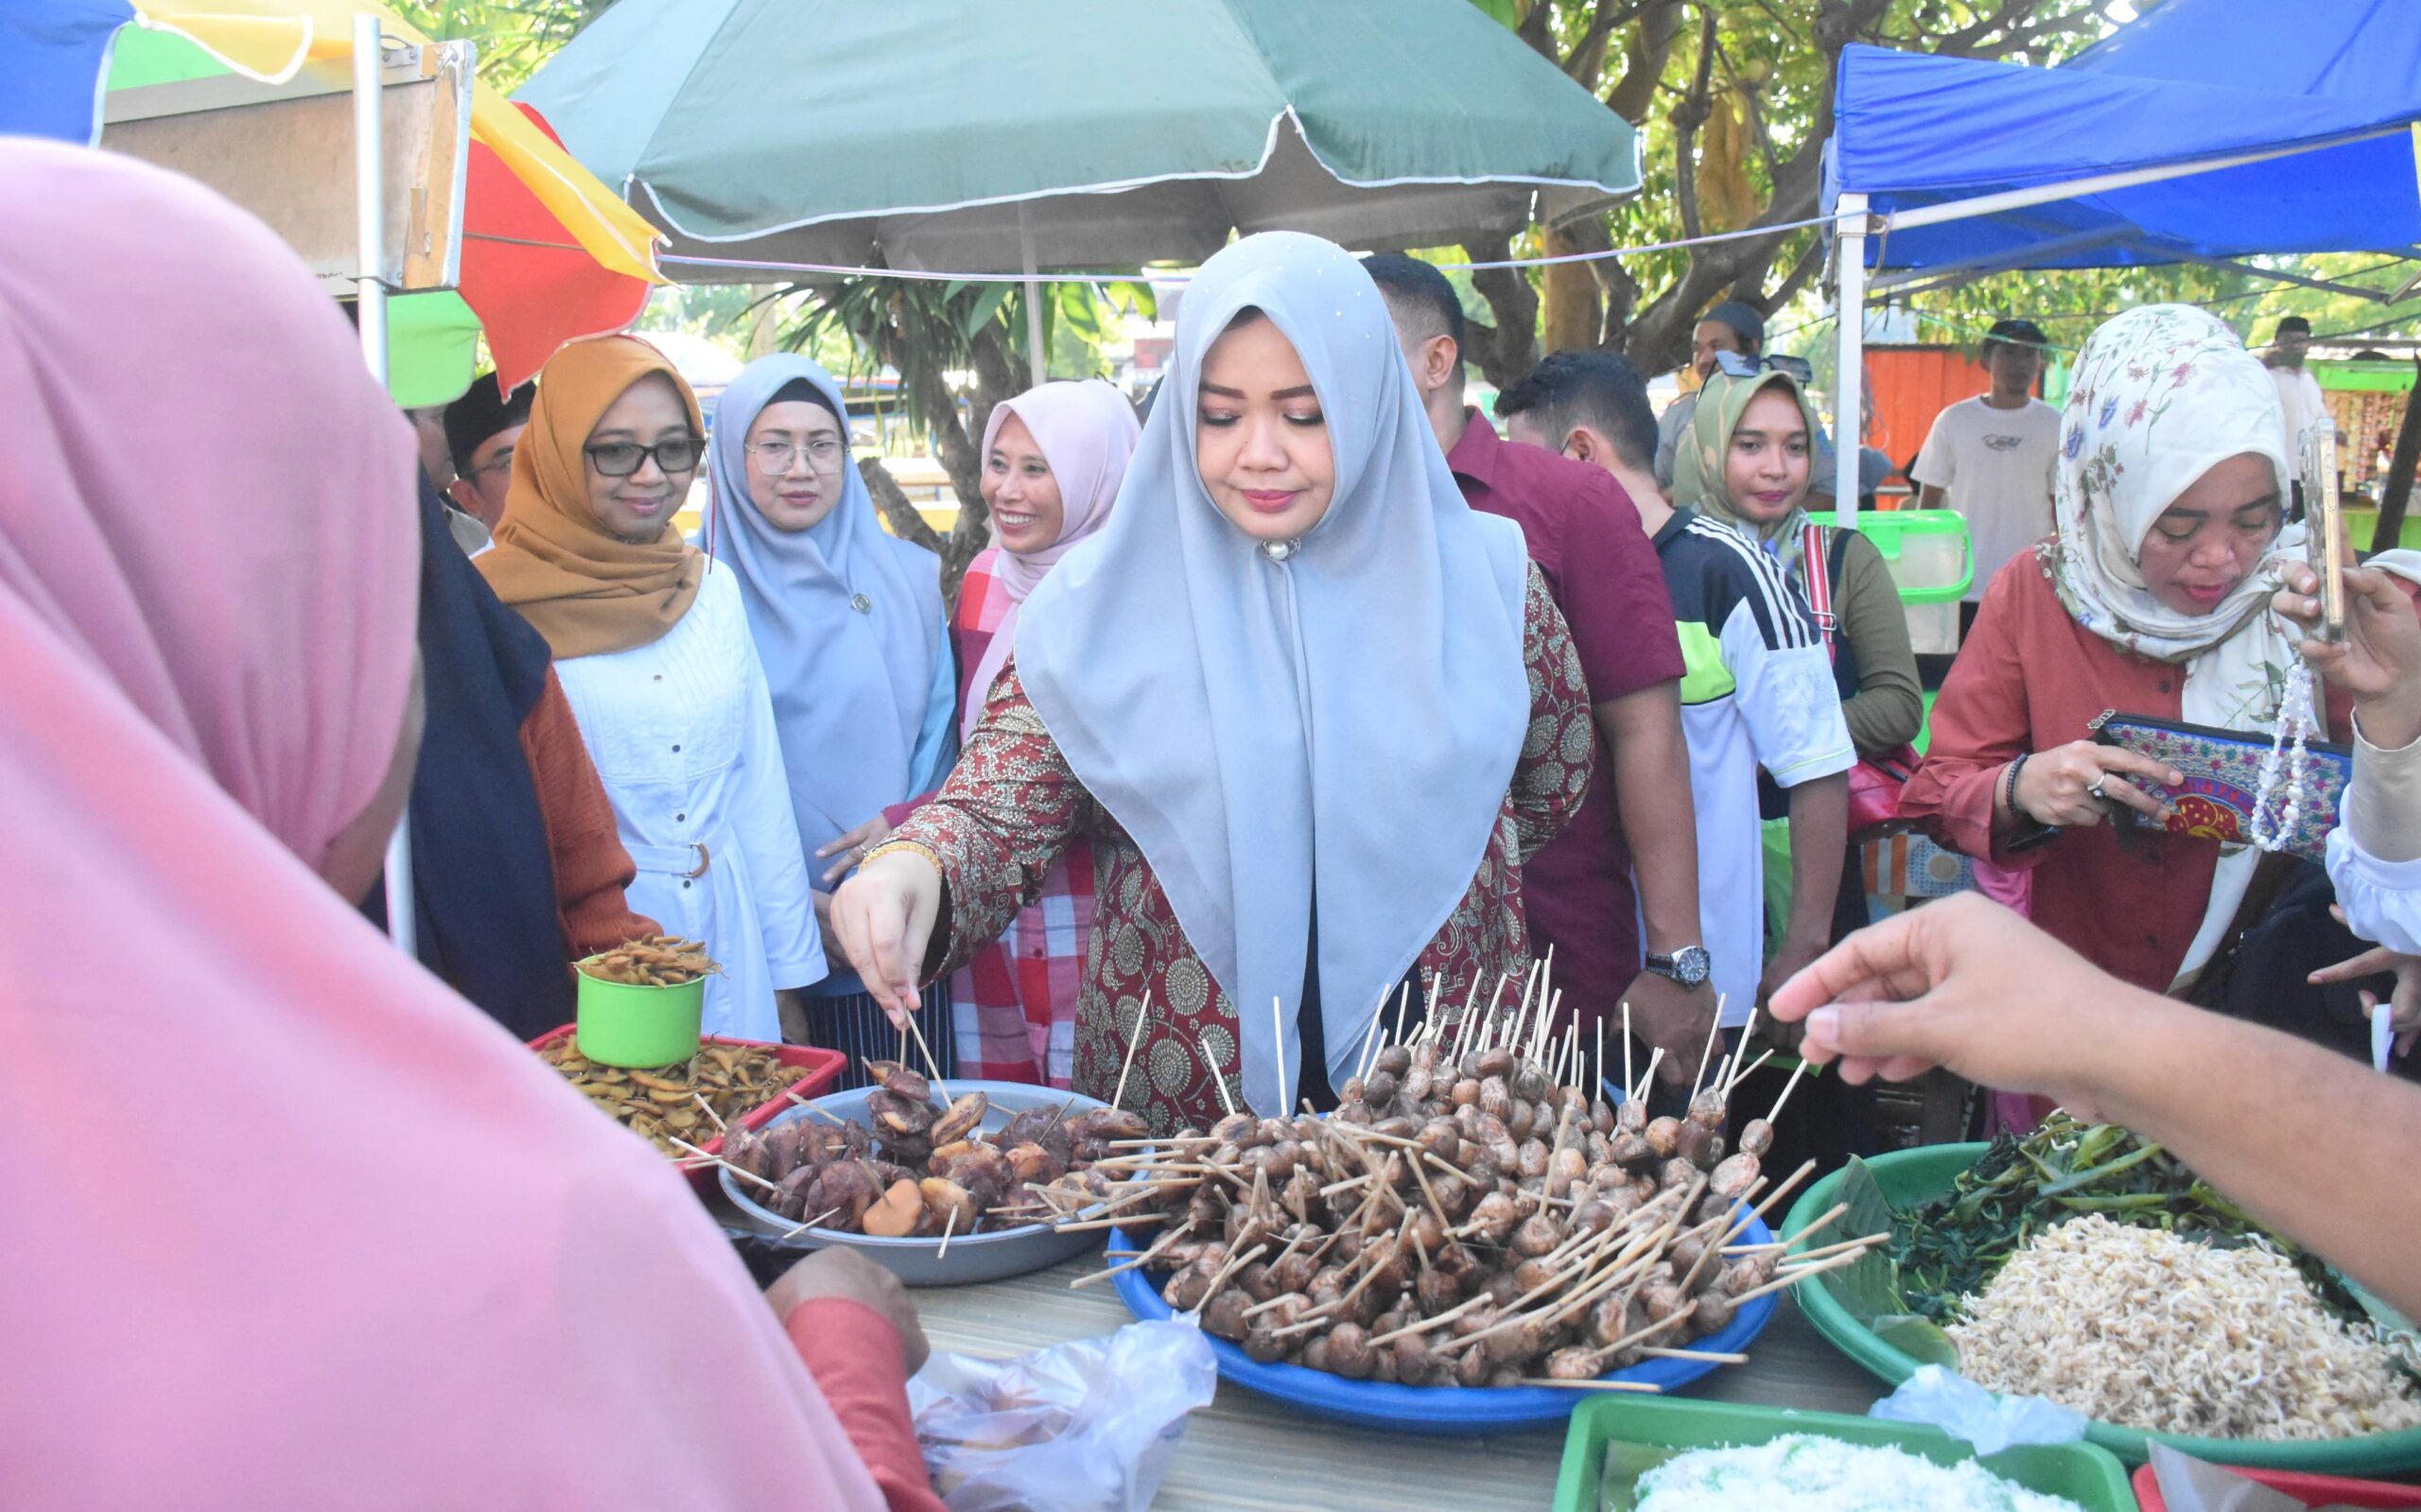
x=481 y=430
x=1731 y=326
x=1990 y=458
x=2299 y=394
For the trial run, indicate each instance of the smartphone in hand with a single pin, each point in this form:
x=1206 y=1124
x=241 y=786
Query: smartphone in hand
x=2325 y=526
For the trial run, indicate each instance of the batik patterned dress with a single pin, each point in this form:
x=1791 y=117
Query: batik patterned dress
x=1013 y=807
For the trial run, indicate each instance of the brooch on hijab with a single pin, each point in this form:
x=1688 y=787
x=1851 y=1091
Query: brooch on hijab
x=862 y=604
x=1278 y=550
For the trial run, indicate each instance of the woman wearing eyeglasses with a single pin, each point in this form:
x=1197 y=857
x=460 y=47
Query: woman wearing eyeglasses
x=652 y=644
x=849 y=627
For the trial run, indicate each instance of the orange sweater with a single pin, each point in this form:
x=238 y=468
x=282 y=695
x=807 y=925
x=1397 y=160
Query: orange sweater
x=591 y=866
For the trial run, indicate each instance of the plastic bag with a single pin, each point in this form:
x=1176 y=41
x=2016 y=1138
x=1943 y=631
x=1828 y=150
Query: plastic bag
x=1957 y=1406
x=1083 y=1427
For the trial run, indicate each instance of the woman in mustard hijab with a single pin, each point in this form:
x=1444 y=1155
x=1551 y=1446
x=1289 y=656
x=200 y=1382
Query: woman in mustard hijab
x=652 y=644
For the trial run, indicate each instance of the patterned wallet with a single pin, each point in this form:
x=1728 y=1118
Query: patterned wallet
x=2222 y=770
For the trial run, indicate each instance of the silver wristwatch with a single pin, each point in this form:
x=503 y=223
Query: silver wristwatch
x=1689 y=966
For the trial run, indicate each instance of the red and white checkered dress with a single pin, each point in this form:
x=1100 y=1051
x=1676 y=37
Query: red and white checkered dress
x=1013 y=1005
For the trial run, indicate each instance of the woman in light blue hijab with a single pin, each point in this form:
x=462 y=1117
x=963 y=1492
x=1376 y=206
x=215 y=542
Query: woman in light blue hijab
x=848 y=622
x=1309 y=708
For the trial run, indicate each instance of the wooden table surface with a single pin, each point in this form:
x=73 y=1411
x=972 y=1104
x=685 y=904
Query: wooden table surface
x=1246 y=1451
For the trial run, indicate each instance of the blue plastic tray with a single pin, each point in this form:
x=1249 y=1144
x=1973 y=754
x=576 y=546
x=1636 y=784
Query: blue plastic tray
x=1441 y=1409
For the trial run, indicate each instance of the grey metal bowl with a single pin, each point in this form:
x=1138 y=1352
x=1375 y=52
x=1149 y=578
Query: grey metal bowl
x=985 y=1256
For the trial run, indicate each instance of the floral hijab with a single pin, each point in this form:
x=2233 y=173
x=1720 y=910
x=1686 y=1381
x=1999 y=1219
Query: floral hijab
x=2161 y=394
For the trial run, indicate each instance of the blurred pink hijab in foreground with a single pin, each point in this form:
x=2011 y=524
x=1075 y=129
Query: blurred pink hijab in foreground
x=284 y=1223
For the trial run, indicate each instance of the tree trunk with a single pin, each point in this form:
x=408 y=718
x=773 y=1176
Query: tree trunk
x=897 y=512
x=1511 y=347
x=1574 y=317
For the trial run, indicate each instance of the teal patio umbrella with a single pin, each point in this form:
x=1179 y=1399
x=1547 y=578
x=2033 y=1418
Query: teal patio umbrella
x=1017 y=135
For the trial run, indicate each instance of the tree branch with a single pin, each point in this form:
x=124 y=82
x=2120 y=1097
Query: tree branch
x=1687 y=118
x=1511 y=347
x=1645 y=56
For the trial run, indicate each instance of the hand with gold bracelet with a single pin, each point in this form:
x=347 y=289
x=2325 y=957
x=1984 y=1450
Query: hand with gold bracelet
x=884 y=916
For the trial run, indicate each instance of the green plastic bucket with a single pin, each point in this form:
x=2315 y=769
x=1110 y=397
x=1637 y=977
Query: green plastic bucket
x=1933 y=561
x=622 y=1025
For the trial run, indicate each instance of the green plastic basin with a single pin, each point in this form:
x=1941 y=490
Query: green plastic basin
x=2086 y=1474
x=1908 y=1176
x=622 y=1025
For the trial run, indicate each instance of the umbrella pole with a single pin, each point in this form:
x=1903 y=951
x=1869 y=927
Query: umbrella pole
x=1849 y=378
x=1038 y=360
x=370 y=225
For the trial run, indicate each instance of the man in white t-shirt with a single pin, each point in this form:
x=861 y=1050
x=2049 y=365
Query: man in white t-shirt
x=1990 y=458
x=2299 y=395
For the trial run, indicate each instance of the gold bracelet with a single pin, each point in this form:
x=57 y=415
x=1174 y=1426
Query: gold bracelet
x=913 y=847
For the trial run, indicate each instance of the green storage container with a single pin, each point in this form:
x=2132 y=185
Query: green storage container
x=1910 y=1177
x=2086 y=1474
x=1932 y=561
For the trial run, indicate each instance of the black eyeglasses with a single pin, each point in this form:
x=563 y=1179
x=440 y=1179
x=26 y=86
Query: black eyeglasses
x=621 y=459
x=1741 y=365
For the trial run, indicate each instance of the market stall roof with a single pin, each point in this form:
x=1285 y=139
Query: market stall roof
x=2316 y=100
x=934 y=134
x=549 y=253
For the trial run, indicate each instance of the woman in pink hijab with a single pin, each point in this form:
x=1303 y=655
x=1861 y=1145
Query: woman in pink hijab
x=1053 y=459
x=345 y=1243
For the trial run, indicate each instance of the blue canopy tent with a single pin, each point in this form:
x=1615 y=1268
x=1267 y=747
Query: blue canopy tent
x=2205 y=131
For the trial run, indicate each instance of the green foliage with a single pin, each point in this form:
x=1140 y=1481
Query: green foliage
x=515 y=37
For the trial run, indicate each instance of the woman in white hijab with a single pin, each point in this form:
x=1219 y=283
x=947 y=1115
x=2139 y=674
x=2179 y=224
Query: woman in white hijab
x=1311 y=710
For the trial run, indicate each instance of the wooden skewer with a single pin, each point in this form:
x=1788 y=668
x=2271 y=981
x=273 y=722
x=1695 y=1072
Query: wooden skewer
x=1216 y=1076
x=1124 y=1221
x=1742 y=1073
x=1370 y=1040
x=708 y=1109
x=1277 y=1048
x=1806 y=1168
x=742 y=1173
x=1403 y=1007
x=1713 y=1031
x=809 y=1224
x=1806 y=1255
x=1825 y=1221
x=1775 y=1111
x=1142 y=1011
x=1714 y=1356
x=1597 y=1086
x=1626 y=1083
x=930 y=1065
x=1794 y=1277
x=1647 y=1077
x=1747 y=1030
x=1648 y=1386
x=948 y=1226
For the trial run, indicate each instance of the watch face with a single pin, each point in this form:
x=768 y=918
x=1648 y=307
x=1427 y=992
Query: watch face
x=1689 y=966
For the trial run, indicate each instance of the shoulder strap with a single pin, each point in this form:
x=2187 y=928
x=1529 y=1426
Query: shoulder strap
x=1816 y=579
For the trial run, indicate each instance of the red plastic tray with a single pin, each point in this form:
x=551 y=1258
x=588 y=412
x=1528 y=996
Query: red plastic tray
x=823 y=1068
x=2314 y=1490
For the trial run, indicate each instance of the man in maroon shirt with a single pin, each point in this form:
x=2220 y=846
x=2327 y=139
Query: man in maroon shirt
x=1584 y=534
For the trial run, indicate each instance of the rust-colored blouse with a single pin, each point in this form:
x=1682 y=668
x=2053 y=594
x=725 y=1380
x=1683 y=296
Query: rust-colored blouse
x=1013 y=806
x=591 y=866
x=2030 y=678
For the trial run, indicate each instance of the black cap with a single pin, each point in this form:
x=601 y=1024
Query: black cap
x=1744 y=319
x=2294 y=324
x=2018 y=332
x=481 y=412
